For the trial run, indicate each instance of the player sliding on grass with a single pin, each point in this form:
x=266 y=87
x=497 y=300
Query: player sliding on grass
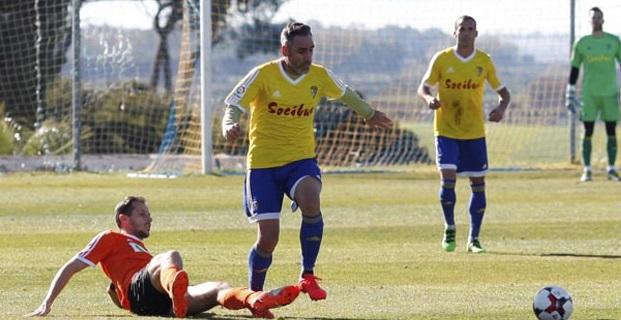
x=281 y=97
x=155 y=285
x=460 y=73
x=596 y=53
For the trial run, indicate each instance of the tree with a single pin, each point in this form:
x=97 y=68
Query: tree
x=34 y=37
x=162 y=59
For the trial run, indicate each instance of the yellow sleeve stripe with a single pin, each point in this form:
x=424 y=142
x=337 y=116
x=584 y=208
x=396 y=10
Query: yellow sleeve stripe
x=353 y=100
x=238 y=93
x=339 y=83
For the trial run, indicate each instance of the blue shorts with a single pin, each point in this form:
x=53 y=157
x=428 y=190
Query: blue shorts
x=264 y=188
x=468 y=157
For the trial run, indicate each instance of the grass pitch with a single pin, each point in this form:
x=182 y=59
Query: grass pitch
x=381 y=255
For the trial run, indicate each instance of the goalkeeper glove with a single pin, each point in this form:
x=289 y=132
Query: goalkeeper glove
x=572 y=103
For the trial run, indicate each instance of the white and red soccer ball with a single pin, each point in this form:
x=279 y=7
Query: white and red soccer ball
x=553 y=303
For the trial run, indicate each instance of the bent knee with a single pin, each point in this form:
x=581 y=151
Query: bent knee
x=309 y=204
x=222 y=285
x=164 y=259
x=307 y=194
x=174 y=256
x=267 y=244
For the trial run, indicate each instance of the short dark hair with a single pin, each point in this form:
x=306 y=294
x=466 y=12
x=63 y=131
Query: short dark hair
x=294 y=29
x=126 y=207
x=462 y=19
x=597 y=9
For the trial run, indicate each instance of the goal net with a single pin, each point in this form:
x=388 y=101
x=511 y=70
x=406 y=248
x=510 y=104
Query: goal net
x=140 y=79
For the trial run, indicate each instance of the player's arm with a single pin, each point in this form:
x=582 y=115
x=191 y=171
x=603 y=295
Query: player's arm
x=237 y=103
x=374 y=118
x=112 y=293
x=61 y=279
x=574 y=72
x=504 y=97
x=430 y=79
x=571 y=99
x=424 y=91
x=230 y=123
x=618 y=55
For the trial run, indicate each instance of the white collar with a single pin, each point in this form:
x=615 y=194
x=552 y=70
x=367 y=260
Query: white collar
x=464 y=59
x=286 y=75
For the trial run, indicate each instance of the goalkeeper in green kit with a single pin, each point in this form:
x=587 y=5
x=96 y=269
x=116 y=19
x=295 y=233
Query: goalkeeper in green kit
x=597 y=53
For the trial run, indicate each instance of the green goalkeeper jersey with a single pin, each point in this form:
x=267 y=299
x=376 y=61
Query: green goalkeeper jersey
x=598 y=55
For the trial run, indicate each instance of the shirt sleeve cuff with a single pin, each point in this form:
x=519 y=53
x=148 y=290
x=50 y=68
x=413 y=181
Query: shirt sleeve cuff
x=500 y=87
x=90 y=263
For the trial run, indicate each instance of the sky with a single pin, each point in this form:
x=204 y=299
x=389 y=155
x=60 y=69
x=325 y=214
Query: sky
x=494 y=16
x=128 y=14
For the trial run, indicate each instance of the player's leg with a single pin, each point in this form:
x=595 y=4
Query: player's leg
x=258 y=302
x=260 y=255
x=610 y=115
x=473 y=163
x=447 y=153
x=588 y=115
x=311 y=228
x=262 y=201
x=204 y=296
x=448 y=178
x=589 y=127
x=611 y=147
x=145 y=299
x=207 y=295
x=304 y=187
x=167 y=275
x=476 y=208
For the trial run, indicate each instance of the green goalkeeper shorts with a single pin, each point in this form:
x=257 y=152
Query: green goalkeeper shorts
x=592 y=106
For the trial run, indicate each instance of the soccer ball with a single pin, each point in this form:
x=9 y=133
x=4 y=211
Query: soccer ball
x=553 y=303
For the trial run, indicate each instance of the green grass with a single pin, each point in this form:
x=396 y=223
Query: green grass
x=525 y=146
x=380 y=259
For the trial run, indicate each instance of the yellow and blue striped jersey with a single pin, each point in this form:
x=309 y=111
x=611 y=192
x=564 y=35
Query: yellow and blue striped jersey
x=282 y=111
x=461 y=86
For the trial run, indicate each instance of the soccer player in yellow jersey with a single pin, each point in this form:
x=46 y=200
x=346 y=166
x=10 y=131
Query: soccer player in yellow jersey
x=459 y=73
x=281 y=97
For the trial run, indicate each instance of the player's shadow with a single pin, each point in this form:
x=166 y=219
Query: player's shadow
x=207 y=315
x=323 y=318
x=557 y=254
x=246 y=316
